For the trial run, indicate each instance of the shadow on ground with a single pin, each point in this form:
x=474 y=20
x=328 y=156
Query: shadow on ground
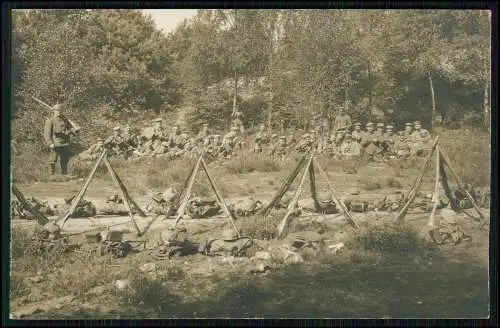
x=351 y=285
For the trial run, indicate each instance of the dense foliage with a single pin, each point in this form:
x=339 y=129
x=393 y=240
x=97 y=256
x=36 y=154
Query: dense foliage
x=293 y=64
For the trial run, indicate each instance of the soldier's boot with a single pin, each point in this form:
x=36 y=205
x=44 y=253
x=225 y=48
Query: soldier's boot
x=52 y=169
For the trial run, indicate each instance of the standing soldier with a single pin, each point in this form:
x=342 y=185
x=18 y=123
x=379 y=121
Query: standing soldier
x=57 y=133
x=357 y=134
x=342 y=121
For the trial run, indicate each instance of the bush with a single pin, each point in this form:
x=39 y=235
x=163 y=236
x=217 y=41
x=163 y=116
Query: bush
x=259 y=227
x=391 y=239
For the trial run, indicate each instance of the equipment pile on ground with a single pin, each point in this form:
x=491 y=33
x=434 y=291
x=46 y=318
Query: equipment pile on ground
x=228 y=244
x=83 y=209
x=174 y=243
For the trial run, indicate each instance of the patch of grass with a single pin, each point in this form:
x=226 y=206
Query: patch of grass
x=371 y=185
x=307 y=225
x=393 y=183
x=30 y=167
x=252 y=163
x=18 y=287
x=391 y=239
x=81 y=276
x=149 y=295
x=259 y=227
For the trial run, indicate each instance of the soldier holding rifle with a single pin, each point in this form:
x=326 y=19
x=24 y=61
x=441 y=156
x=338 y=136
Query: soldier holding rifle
x=57 y=133
x=342 y=122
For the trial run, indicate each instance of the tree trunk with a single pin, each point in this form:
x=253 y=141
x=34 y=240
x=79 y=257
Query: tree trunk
x=270 y=114
x=370 y=89
x=433 y=98
x=487 y=107
x=235 y=91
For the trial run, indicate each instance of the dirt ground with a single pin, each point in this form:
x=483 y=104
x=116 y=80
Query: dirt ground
x=452 y=284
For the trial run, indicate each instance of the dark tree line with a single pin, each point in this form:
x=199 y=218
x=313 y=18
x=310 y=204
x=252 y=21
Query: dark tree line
x=270 y=64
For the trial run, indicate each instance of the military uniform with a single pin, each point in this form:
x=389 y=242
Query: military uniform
x=349 y=148
x=202 y=134
x=389 y=140
x=57 y=133
x=342 y=121
x=230 y=141
x=258 y=144
x=420 y=139
x=401 y=147
x=369 y=142
x=280 y=149
x=379 y=134
x=305 y=144
x=408 y=131
x=357 y=134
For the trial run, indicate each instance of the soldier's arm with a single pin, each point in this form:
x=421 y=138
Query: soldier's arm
x=47 y=133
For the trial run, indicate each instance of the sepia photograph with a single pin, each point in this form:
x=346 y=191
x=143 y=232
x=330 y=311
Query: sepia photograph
x=250 y=163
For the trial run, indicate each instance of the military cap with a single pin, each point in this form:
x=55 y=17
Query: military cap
x=57 y=107
x=216 y=135
x=369 y=124
x=409 y=124
x=159 y=119
x=99 y=139
x=417 y=122
x=274 y=136
x=348 y=134
x=357 y=124
x=380 y=125
x=390 y=127
x=116 y=128
x=229 y=235
x=283 y=138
